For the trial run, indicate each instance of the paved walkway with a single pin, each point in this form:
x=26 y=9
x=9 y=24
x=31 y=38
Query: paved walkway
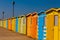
x=9 y=35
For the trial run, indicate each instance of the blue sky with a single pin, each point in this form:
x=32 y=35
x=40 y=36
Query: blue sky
x=23 y=7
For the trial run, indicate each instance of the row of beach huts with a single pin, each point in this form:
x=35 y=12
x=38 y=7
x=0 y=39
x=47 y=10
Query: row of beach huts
x=39 y=26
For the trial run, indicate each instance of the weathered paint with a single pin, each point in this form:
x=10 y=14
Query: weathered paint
x=16 y=24
x=29 y=23
x=9 y=24
x=19 y=24
x=34 y=25
x=41 y=26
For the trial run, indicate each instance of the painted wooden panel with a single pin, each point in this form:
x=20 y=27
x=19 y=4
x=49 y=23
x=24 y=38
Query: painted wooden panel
x=29 y=23
x=14 y=24
x=9 y=24
x=34 y=26
x=41 y=26
x=19 y=24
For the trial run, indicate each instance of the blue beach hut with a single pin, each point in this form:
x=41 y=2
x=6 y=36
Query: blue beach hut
x=16 y=24
x=41 y=26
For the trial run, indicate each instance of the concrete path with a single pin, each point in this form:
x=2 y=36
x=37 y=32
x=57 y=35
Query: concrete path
x=9 y=35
